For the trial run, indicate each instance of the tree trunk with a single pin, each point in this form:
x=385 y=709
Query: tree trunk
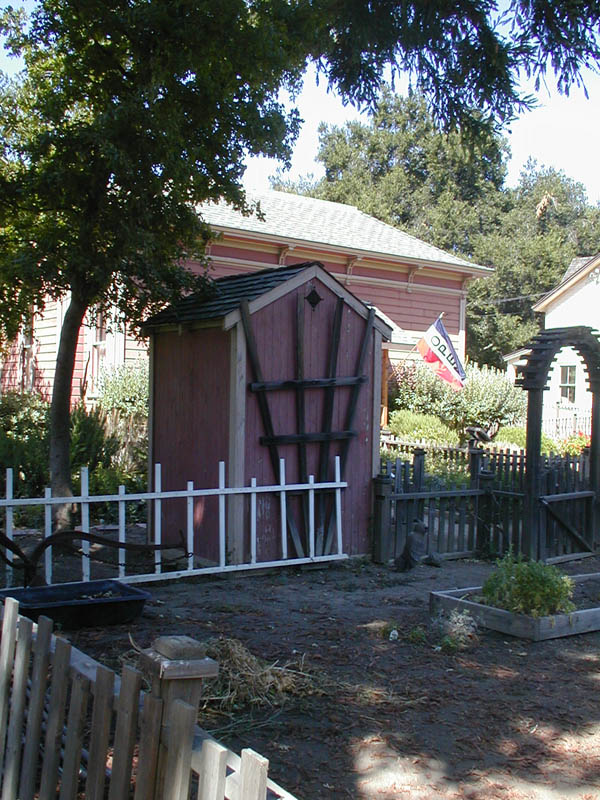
x=60 y=408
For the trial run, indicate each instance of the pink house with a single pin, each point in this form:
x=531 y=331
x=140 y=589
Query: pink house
x=407 y=280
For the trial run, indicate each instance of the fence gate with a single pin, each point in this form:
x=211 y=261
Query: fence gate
x=564 y=521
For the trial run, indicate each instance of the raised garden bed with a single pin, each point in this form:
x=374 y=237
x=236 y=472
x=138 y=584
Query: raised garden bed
x=82 y=604
x=585 y=619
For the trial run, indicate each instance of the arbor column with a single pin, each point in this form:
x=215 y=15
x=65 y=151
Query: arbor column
x=531 y=526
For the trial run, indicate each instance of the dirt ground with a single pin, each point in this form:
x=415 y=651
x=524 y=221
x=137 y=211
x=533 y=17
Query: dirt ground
x=506 y=719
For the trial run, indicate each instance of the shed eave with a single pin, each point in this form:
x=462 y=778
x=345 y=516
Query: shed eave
x=314 y=271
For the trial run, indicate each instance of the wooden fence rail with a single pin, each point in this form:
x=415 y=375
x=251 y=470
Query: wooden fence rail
x=70 y=728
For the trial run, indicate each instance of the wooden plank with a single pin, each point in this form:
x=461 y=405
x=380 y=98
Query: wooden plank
x=351 y=410
x=566 y=524
x=211 y=778
x=334 y=347
x=55 y=722
x=307 y=383
x=101 y=719
x=253 y=775
x=305 y=438
x=7 y=655
x=265 y=412
x=179 y=751
x=12 y=759
x=149 y=746
x=80 y=692
x=125 y=733
x=39 y=680
x=301 y=404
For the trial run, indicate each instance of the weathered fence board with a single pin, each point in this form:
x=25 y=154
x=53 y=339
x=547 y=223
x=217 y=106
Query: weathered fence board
x=44 y=751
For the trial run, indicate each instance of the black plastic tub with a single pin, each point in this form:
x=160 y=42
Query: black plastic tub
x=88 y=604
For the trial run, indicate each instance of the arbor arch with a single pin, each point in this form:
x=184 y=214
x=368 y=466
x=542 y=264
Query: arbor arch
x=534 y=377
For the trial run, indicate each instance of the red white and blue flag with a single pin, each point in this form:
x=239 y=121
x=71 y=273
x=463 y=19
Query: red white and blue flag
x=439 y=354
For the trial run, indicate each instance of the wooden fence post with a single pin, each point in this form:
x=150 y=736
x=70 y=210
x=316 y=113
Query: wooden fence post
x=382 y=532
x=419 y=469
x=176 y=666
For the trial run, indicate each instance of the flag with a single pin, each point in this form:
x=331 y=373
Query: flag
x=439 y=353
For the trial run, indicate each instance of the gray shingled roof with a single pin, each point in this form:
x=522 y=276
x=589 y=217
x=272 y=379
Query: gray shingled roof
x=290 y=216
x=227 y=295
x=575 y=266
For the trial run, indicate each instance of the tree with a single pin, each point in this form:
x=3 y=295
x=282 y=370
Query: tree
x=400 y=168
x=547 y=222
x=130 y=112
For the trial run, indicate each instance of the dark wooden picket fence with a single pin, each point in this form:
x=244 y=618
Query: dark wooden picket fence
x=480 y=509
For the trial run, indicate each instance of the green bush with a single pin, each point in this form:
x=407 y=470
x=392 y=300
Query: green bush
x=125 y=389
x=528 y=587
x=24 y=443
x=91 y=444
x=517 y=436
x=416 y=427
x=573 y=445
x=488 y=398
x=123 y=395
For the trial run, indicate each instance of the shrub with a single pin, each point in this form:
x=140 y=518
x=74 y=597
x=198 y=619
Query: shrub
x=125 y=389
x=416 y=427
x=517 y=436
x=24 y=443
x=528 y=587
x=91 y=444
x=488 y=399
x=573 y=445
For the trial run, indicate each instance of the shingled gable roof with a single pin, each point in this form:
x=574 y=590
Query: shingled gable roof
x=230 y=290
x=578 y=268
x=298 y=218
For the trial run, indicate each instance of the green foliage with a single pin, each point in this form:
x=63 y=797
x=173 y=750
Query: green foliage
x=91 y=445
x=488 y=398
x=517 y=436
x=414 y=427
x=24 y=442
x=528 y=587
x=125 y=389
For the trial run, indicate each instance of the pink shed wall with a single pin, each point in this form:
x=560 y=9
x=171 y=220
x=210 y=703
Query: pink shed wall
x=190 y=432
x=274 y=328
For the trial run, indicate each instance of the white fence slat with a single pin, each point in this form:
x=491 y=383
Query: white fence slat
x=311 y=516
x=12 y=757
x=338 y=506
x=47 y=533
x=122 y=523
x=157 y=520
x=211 y=779
x=253 y=523
x=282 y=499
x=9 y=521
x=190 y=526
x=221 y=514
x=253 y=775
x=7 y=653
x=85 y=523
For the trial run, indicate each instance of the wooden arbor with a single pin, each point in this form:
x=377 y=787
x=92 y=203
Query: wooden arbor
x=534 y=378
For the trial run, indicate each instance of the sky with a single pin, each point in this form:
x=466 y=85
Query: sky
x=561 y=133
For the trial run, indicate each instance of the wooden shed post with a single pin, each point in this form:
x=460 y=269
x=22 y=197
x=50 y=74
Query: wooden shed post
x=176 y=666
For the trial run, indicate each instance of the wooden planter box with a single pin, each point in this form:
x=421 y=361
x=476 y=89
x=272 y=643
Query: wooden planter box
x=497 y=619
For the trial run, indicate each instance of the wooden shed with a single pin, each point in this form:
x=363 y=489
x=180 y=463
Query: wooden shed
x=281 y=363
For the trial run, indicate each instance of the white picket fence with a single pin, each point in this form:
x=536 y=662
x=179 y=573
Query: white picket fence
x=84 y=500
x=566 y=422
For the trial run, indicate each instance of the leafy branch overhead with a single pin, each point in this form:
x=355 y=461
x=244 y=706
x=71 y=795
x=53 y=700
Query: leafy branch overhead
x=129 y=113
